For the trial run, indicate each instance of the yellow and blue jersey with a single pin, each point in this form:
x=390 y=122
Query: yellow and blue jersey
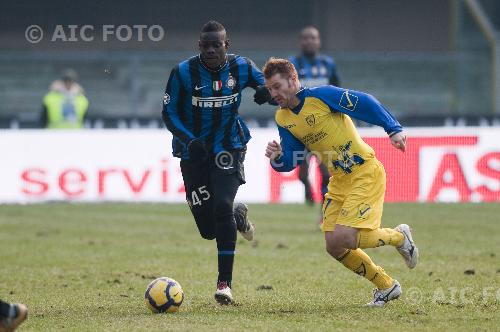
x=322 y=123
x=315 y=71
x=203 y=103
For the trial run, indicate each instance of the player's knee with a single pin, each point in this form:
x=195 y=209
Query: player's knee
x=223 y=209
x=345 y=240
x=337 y=244
x=206 y=227
x=349 y=242
x=335 y=250
x=207 y=234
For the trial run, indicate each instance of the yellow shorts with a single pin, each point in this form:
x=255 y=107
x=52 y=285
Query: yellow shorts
x=355 y=199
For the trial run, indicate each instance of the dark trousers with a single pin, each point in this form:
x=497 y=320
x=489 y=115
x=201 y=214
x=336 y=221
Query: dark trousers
x=211 y=187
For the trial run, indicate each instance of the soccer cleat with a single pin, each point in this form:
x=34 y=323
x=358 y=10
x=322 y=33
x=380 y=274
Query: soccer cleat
x=223 y=293
x=382 y=296
x=10 y=324
x=244 y=226
x=408 y=249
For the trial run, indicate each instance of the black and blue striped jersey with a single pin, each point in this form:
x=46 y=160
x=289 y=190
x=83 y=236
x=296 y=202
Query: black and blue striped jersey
x=317 y=71
x=203 y=103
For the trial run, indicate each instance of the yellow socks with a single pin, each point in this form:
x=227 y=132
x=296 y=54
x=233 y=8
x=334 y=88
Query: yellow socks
x=360 y=263
x=372 y=238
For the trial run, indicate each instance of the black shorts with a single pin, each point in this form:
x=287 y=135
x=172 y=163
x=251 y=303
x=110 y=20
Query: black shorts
x=211 y=184
x=224 y=163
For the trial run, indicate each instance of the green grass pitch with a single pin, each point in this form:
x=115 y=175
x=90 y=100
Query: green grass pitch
x=85 y=267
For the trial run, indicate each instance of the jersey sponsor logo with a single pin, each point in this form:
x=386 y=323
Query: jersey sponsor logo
x=348 y=101
x=363 y=210
x=166 y=99
x=217 y=85
x=346 y=159
x=210 y=102
x=311 y=120
x=197 y=88
x=231 y=82
x=314 y=137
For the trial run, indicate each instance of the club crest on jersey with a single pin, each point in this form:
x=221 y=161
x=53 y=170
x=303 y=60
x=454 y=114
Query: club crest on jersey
x=346 y=159
x=166 y=99
x=311 y=120
x=348 y=101
x=231 y=82
x=216 y=85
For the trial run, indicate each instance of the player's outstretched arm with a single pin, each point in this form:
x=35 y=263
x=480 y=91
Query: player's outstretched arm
x=256 y=81
x=364 y=107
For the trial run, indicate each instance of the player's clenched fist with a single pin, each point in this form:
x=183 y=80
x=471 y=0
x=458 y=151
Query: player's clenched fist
x=399 y=141
x=273 y=150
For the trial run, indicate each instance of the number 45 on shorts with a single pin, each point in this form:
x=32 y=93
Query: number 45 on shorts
x=199 y=195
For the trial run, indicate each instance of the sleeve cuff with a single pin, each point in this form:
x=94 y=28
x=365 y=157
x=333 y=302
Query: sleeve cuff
x=393 y=131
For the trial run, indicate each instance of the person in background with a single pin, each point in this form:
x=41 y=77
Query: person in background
x=65 y=105
x=314 y=69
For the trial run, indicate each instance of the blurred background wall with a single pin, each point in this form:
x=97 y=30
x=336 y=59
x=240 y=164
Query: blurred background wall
x=430 y=62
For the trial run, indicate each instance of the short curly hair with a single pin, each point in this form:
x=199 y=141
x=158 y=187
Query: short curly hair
x=212 y=26
x=279 y=66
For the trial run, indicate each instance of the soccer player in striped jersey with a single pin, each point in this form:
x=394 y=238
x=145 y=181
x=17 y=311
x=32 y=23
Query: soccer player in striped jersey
x=201 y=110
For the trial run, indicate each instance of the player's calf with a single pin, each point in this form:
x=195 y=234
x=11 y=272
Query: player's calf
x=373 y=238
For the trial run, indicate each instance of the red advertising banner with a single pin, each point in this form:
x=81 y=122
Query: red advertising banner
x=440 y=164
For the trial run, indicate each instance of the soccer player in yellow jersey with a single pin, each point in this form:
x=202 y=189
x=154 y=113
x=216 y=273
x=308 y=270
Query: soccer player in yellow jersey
x=319 y=120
